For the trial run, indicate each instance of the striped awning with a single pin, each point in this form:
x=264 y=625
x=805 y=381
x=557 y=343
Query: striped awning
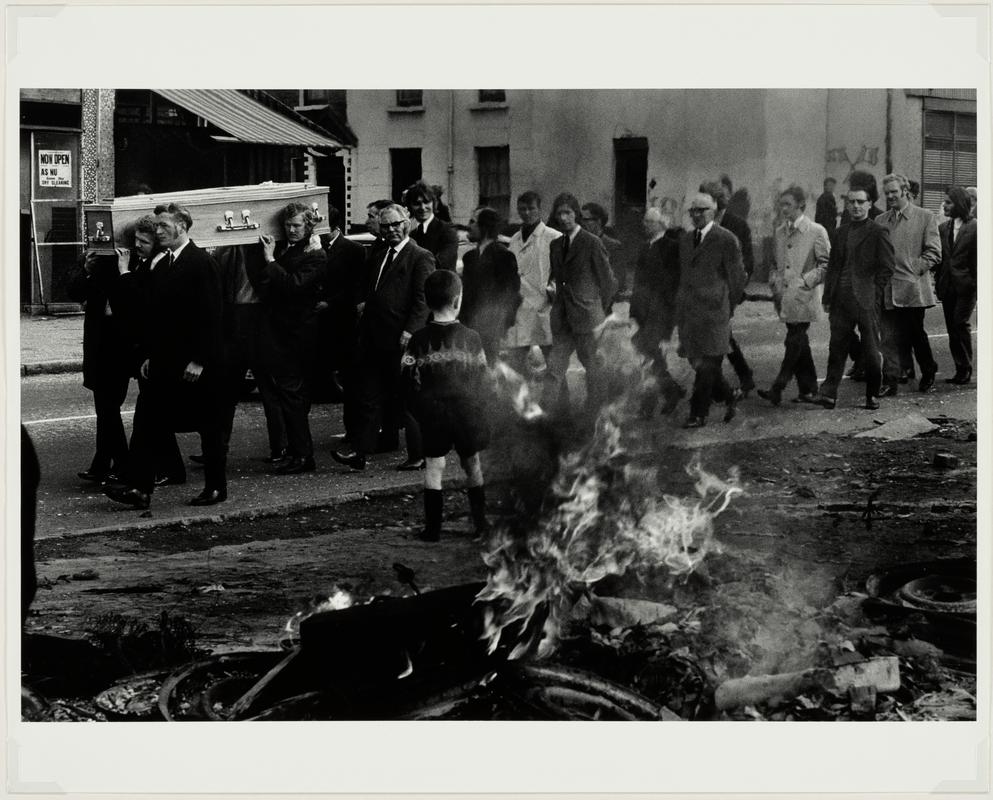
x=246 y=119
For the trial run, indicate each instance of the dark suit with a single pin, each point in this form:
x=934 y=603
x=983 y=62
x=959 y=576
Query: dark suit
x=826 y=213
x=289 y=288
x=956 y=288
x=739 y=227
x=711 y=283
x=491 y=294
x=584 y=290
x=394 y=303
x=441 y=240
x=183 y=324
x=107 y=359
x=860 y=266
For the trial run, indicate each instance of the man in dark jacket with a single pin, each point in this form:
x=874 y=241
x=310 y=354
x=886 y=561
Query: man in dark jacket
x=594 y=219
x=182 y=363
x=289 y=285
x=584 y=290
x=826 y=214
x=392 y=310
x=860 y=266
x=428 y=231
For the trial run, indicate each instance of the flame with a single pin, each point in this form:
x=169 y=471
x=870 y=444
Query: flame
x=511 y=384
x=603 y=516
x=338 y=600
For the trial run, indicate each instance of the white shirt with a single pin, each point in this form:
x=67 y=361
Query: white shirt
x=396 y=249
x=424 y=225
x=705 y=230
x=164 y=253
x=575 y=233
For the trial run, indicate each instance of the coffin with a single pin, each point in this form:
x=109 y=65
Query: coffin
x=228 y=215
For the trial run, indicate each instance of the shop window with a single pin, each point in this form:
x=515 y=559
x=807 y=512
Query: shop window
x=949 y=155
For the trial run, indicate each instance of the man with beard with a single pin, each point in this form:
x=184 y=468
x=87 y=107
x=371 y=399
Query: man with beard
x=288 y=285
x=711 y=283
x=182 y=363
x=917 y=252
x=394 y=308
x=437 y=237
x=859 y=269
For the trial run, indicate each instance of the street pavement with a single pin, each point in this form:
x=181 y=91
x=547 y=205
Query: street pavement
x=58 y=414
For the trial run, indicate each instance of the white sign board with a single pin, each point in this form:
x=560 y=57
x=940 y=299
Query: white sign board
x=55 y=168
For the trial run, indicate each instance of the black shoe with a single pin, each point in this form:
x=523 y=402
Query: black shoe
x=275 y=458
x=871 y=403
x=888 y=390
x=93 y=475
x=170 y=480
x=806 y=397
x=410 y=465
x=209 y=497
x=961 y=377
x=354 y=460
x=927 y=382
x=295 y=465
x=826 y=402
x=113 y=479
x=774 y=396
x=694 y=422
x=198 y=458
x=128 y=496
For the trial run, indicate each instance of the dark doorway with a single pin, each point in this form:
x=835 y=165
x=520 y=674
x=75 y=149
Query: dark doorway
x=405 y=168
x=630 y=180
x=331 y=173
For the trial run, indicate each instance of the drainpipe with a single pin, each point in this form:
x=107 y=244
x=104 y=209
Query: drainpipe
x=889 y=131
x=451 y=149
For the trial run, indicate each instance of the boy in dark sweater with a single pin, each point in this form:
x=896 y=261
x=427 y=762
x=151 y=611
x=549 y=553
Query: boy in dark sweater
x=445 y=380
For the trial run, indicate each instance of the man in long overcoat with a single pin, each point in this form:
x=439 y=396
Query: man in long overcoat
x=711 y=283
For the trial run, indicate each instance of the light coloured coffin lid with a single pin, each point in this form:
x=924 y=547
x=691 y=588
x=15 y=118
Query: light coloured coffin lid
x=224 y=194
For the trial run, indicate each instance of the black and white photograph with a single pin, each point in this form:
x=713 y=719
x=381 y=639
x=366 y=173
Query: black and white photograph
x=590 y=404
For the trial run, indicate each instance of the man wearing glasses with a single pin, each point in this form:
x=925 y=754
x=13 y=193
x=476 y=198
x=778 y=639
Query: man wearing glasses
x=859 y=269
x=394 y=308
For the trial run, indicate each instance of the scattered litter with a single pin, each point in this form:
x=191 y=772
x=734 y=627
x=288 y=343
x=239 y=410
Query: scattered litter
x=945 y=461
x=210 y=588
x=906 y=427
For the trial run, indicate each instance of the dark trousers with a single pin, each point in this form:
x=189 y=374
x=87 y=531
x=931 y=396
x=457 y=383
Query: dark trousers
x=709 y=384
x=957 y=307
x=378 y=404
x=797 y=360
x=153 y=438
x=740 y=365
x=845 y=315
x=109 y=393
x=903 y=339
x=556 y=392
x=167 y=458
x=286 y=398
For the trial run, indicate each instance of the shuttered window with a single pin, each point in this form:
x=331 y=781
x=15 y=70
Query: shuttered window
x=949 y=154
x=493 y=164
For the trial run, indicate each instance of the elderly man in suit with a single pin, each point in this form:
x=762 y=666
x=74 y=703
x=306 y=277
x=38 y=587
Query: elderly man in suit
x=584 y=290
x=858 y=271
x=917 y=253
x=531 y=245
x=394 y=308
x=802 y=250
x=956 y=284
x=183 y=363
x=437 y=237
x=711 y=283
x=289 y=280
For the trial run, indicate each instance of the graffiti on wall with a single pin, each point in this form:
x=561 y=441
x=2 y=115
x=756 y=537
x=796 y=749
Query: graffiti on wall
x=839 y=155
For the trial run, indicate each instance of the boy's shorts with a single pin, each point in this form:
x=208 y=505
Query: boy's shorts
x=452 y=425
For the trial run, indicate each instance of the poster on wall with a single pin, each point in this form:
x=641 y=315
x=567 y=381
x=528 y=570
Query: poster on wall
x=55 y=168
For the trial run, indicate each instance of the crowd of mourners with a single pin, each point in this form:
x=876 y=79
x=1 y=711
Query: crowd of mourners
x=404 y=339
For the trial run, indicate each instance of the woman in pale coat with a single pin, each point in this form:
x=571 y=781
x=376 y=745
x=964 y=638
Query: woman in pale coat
x=530 y=245
x=802 y=252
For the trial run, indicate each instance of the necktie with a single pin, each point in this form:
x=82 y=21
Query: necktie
x=170 y=258
x=386 y=265
x=565 y=246
x=697 y=236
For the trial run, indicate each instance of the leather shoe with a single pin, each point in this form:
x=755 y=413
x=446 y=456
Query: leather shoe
x=826 y=402
x=888 y=390
x=198 y=458
x=354 y=460
x=694 y=422
x=169 y=480
x=295 y=465
x=128 y=496
x=209 y=497
x=806 y=397
x=774 y=396
x=960 y=377
x=871 y=403
x=927 y=382
x=93 y=475
x=275 y=458
x=410 y=465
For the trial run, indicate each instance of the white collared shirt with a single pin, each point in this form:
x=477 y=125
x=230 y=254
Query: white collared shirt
x=164 y=253
x=575 y=233
x=705 y=230
x=424 y=225
x=396 y=249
